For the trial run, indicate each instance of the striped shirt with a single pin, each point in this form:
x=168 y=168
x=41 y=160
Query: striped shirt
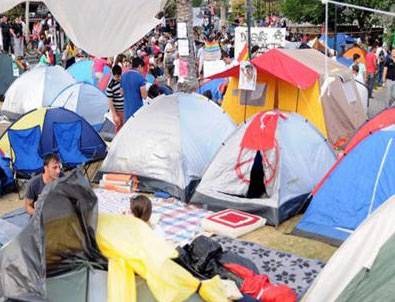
x=114 y=92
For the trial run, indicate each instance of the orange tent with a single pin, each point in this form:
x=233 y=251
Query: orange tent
x=355 y=49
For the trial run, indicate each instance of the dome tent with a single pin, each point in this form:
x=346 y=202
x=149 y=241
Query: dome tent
x=34 y=89
x=169 y=142
x=357 y=184
x=268 y=165
x=85 y=100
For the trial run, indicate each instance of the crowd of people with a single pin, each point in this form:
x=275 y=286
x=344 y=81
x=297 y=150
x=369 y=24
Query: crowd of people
x=378 y=69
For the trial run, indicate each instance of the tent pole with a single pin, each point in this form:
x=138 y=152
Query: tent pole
x=276 y=98
x=297 y=101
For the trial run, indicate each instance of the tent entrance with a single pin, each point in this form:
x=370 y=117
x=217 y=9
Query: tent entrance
x=257 y=188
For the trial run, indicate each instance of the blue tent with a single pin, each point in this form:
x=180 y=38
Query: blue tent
x=345 y=61
x=214 y=87
x=82 y=71
x=342 y=41
x=358 y=184
x=79 y=138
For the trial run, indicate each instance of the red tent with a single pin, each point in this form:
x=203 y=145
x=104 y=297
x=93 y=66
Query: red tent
x=279 y=65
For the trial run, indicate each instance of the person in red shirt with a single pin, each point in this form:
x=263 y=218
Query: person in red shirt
x=371 y=68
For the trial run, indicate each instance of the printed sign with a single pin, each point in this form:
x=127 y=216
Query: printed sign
x=265 y=37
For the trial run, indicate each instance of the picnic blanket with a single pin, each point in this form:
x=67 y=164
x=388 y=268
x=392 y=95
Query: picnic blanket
x=296 y=272
x=179 y=222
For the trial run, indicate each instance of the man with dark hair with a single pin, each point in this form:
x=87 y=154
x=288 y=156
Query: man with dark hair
x=356 y=58
x=133 y=86
x=115 y=97
x=52 y=167
x=5 y=28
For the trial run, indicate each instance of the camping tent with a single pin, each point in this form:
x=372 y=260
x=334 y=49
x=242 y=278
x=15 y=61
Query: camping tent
x=355 y=50
x=169 y=142
x=342 y=42
x=293 y=80
x=85 y=100
x=7 y=75
x=82 y=71
x=35 y=88
x=359 y=182
x=90 y=143
x=268 y=165
x=362 y=269
x=216 y=87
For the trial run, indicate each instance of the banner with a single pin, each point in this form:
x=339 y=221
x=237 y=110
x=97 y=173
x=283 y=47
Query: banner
x=265 y=37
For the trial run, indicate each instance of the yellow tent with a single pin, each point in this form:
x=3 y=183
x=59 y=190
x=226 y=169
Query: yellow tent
x=293 y=81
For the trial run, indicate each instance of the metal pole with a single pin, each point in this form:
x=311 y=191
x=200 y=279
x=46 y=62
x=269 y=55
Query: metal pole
x=27 y=22
x=335 y=41
x=377 y=11
x=326 y=40
x=249 y=27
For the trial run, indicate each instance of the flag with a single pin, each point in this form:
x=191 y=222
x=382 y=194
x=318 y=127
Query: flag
x=243 y=55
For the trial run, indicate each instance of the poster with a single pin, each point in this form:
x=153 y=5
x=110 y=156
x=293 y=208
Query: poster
x=247 y=76
x=182 y=30
x=213 y=67
x=264 y=37
x=198 y=17
x=183 y=47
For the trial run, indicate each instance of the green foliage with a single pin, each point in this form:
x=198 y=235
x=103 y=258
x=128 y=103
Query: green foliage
x=313 y=11
x=170 y=9
x=16 y=11
x=196 y=3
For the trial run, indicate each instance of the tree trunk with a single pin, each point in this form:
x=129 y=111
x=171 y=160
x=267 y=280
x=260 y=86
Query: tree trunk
x=222 y=11
x=184 y=15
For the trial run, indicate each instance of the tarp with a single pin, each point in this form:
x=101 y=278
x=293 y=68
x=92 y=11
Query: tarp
x=92 y=24
x=341 y=41
x=60 y=232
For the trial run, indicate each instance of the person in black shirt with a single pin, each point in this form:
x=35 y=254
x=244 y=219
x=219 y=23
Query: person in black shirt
x=52 y=171
x=389 y=78
x=6 y=33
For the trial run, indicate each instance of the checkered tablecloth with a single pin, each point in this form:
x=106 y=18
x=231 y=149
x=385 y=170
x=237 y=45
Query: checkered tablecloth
x=179 y=222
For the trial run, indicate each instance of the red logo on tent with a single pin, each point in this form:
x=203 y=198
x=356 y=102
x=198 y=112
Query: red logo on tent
x=260 y=136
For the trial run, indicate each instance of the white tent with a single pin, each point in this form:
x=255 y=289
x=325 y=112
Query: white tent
x=362 y=269
x=169 y=143
x=86 y=100
x=101 y=27
x=34 y=89
x=268 y=165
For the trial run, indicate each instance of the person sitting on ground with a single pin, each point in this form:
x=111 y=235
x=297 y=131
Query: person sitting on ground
x=141 y=207
x=52 y=171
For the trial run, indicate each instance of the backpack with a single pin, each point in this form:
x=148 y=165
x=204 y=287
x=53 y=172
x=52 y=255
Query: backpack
x=382 y=56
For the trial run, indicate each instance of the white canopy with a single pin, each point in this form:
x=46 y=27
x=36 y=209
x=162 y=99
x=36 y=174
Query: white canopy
x=101 y=27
